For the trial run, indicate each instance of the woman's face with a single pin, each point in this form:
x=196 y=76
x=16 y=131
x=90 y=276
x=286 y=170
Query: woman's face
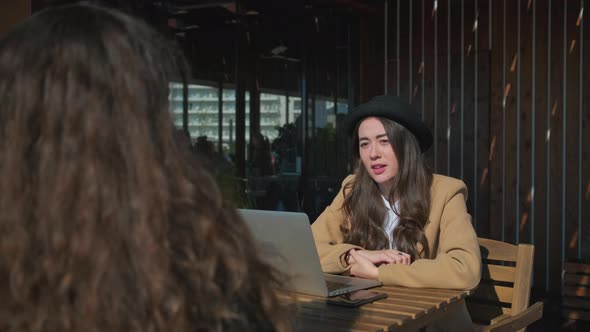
x=377 y=153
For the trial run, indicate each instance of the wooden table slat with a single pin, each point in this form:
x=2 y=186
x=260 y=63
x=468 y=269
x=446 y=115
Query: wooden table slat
x=426 y=308
x=436 y=294
x=347 y=313
x=405 y=309
x=396 y=308
x=321 y=325
x=442 y=291
x=341 y=322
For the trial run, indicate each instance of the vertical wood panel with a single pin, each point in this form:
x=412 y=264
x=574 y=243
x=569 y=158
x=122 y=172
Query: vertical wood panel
x=404 y=45
x=496 y=117
x=371 y=55
x=430 y=75
x=469 y=85
x=393 y=32
x=417 y=45
x=481 y=122
x=526 y=159
x=482 y=182
x=442 y=87
x=435 y=87
x=572 y=103
x=483 y=24
x=555 y=144
x=438 y=105
x=510 y=120
x=584 y=193
x=455 y=81
x=539 y=85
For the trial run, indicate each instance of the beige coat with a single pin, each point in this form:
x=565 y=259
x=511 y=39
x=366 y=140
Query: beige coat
x=456 y=261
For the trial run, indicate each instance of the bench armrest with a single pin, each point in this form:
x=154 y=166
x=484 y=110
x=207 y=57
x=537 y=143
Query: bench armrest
x=520 y=320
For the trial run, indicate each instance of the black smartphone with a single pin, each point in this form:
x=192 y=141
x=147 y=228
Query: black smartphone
x=356 y=298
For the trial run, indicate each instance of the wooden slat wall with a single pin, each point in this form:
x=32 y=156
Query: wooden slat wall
x=505 y=86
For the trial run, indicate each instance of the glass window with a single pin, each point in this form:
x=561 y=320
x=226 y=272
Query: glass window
x=203 y=110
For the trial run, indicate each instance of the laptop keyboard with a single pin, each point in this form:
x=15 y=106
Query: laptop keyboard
x=335 y=285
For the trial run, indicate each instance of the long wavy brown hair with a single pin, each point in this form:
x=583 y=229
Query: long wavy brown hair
x=364 y=206
x=104 y=225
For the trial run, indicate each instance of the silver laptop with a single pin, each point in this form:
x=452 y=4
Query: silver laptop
x=285 y=240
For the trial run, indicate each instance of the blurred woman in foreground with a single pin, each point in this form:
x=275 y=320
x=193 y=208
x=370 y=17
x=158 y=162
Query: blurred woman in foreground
x=103 y=226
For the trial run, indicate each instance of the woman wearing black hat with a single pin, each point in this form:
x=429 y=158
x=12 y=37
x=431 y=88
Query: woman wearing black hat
x=393 y=220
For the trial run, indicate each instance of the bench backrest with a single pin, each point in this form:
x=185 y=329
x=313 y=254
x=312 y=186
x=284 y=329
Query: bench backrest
x=505 y=285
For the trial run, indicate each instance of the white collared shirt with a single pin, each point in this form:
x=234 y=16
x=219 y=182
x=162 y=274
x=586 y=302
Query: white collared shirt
x=391 y=220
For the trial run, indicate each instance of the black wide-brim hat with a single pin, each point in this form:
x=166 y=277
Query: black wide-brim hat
x=395 y=109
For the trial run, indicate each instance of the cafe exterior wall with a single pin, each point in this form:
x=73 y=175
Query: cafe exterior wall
x=504 y=85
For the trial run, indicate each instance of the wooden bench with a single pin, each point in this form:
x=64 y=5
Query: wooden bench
x=576 y=291
x=501 y=301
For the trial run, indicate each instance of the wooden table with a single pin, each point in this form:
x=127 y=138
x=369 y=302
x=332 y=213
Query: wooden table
x=405 y=309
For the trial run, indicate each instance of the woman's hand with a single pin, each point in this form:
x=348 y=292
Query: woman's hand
x=389 y=256
x=362 y=267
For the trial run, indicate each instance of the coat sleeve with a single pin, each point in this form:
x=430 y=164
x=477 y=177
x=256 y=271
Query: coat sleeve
x=457 y=264
x=328 y=236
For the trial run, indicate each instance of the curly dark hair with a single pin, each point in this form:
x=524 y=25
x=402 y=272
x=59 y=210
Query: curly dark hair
x=364 y=206
x=104 y=225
